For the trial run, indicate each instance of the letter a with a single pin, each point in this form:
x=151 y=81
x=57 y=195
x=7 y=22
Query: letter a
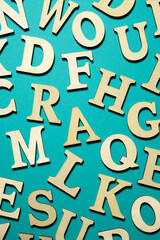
x=74 y=129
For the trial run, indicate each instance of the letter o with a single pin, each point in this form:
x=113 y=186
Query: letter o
x=136 y=214
x=97 y=23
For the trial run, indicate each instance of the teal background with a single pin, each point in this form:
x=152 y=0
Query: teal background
x=104 y=123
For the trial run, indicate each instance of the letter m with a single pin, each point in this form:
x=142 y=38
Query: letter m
x=30 y=152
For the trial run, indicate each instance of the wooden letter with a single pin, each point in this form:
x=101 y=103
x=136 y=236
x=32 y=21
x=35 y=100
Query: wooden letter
x=59 y=180
x=3 y=230
x=127 y=53
x=57 y=11
x=121 y=11
x=11 y=107
x=46 y=105
x=127 y=162
x=45 y=238
x=18 y=18
x=41 y=207
x=136 y=214
x=108 y=235
x=156 y=12
x=64 y=224
x=30 y=152
x=103 y=194
x=97 y=23
x=3 y=71
x=74 y=129
x=48 y=56
x=9 y=197
x=154 y=79
x=133 y=120
x=74 y=70
x=119 y=94
x=86 y=224
x=150 y=168
x=25 y=236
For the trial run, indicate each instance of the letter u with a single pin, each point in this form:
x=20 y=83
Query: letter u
x=127 y=53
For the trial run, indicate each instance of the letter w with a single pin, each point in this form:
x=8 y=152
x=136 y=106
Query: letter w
x=57 y=11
